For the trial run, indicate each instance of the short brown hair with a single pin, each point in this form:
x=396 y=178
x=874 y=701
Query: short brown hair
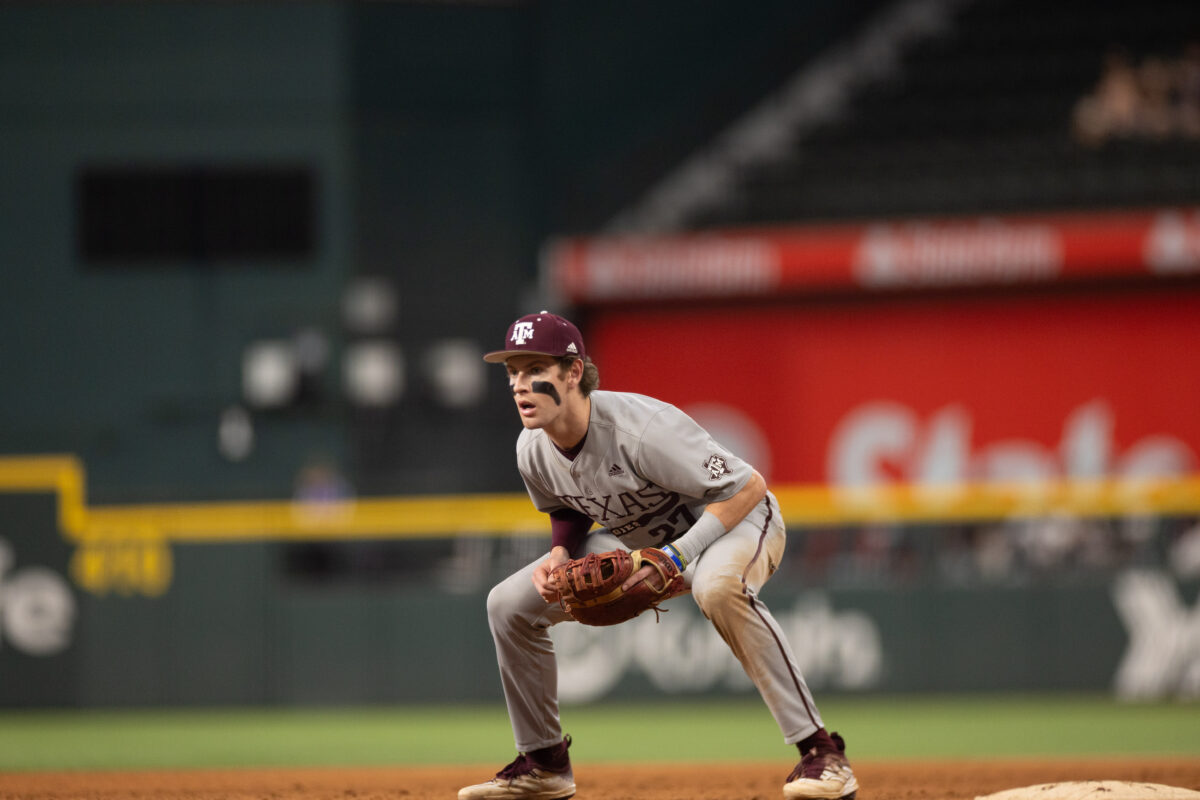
x=591 y=373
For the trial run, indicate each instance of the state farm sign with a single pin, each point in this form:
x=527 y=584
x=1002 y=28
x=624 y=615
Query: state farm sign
x=886 y=442
x=933 y=388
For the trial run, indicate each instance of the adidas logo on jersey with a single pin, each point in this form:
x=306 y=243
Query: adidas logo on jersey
x=615 y=471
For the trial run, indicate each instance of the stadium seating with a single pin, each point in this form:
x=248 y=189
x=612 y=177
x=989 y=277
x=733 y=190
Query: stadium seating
x=980 y=120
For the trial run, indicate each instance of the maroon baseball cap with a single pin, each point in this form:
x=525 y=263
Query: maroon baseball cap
x=542 y=334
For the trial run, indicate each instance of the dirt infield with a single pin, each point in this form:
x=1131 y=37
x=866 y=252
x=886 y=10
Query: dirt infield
x=879 y=781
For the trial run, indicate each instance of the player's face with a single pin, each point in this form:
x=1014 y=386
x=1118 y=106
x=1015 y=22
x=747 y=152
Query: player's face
x=539 y=389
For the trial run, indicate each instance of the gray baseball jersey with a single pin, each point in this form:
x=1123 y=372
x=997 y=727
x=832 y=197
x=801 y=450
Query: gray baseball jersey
x=646 y=470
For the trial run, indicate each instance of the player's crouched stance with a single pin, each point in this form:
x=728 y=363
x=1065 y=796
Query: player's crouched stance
x=653 y=478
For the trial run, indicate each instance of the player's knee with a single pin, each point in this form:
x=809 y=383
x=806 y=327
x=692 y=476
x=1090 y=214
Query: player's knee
x=716 y=593
x=500 y=602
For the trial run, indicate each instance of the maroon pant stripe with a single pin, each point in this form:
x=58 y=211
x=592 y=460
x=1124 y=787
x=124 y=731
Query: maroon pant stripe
x=757 y=606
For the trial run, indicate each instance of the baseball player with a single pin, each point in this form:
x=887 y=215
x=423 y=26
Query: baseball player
x=649 y=477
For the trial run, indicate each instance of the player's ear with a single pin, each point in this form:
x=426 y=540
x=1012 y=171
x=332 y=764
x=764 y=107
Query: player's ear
x=574 y=373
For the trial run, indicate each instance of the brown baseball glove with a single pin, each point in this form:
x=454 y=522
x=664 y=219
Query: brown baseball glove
x=589 y=588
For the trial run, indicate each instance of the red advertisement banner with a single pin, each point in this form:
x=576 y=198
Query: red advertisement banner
x=919 y=388
x=877 y=256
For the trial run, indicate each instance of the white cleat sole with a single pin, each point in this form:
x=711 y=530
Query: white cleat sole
x=535 y=786
x=833 y=789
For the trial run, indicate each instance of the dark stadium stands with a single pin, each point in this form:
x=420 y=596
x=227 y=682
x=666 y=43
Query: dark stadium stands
x=981 y=120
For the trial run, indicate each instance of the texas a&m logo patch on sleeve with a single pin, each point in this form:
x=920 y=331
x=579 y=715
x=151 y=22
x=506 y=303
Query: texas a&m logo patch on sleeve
x=716 y=467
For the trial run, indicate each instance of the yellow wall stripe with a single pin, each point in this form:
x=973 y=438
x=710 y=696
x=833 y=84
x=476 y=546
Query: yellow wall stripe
x=512 y=514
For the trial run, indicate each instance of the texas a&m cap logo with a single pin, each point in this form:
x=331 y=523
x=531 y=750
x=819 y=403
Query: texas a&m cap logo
x=540 y=334
x=522 y=333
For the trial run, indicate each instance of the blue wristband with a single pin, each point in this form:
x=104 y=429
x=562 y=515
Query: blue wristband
x=673 y=554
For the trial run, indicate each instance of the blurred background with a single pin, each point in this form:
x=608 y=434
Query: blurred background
x=933 y=266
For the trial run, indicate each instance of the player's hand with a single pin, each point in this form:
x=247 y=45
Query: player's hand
x=645 y=572
x=541 y=573
x=662 y=567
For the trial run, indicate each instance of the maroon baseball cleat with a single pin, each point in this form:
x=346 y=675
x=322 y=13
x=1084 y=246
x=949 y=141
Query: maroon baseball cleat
x=538 y=775
x=823 y=773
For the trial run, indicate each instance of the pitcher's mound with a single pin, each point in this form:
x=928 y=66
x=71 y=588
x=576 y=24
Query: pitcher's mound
x=1095 y=790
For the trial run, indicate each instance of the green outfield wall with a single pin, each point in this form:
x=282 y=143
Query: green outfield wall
x=402 y=620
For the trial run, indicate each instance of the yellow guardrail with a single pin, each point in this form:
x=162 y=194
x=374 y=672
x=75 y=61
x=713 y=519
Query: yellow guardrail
x=126 y=546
